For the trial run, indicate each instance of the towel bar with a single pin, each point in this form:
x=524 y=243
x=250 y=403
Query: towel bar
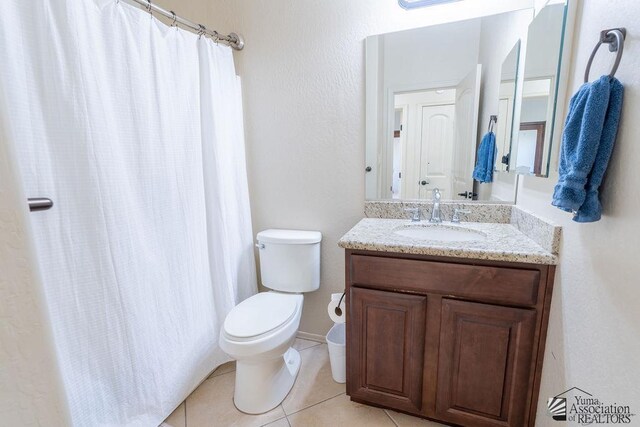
x=614 y=37
x=39 y=204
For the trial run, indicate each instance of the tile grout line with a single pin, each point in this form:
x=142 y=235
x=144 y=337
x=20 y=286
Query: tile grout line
x=281 y=418
x=312 y=346
x=315 y=404
x=391 y=418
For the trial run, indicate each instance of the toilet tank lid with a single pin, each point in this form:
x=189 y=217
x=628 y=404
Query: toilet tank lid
x=290 y=237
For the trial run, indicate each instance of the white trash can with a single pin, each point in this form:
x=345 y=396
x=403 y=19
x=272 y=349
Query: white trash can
x=337 y=343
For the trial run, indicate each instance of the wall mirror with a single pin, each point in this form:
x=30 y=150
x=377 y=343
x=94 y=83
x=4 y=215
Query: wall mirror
x=506 y=108
x=429 y=94
x=428 y=103
x=533 y=145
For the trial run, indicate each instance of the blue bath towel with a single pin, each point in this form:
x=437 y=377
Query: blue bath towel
x=485 y=161
x=587 y=142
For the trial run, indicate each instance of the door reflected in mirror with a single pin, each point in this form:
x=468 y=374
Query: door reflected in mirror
x=423 y=149
x=425 y=153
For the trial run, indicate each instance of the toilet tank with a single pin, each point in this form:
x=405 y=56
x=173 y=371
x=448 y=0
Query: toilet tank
x=290 y=259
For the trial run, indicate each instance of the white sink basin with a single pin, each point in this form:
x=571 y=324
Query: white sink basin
x=440 y=233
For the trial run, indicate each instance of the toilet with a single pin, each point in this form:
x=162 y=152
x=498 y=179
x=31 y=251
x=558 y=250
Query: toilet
x=259 y=332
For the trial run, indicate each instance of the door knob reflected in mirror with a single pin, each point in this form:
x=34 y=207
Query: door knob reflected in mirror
x=468 y=194
x=367 y=169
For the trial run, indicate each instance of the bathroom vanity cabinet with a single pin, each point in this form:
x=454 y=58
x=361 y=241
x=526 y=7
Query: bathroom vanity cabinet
x=460 y=341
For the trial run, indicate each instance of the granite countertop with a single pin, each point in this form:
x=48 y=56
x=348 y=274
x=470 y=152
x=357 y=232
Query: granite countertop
x=503 y=242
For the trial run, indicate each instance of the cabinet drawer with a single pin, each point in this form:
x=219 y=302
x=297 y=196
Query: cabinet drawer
x=492 y=284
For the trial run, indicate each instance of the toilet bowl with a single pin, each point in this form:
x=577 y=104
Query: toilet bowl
x=259 y=332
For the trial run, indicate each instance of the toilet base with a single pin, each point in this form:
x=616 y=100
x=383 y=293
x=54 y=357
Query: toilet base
x=261 y=385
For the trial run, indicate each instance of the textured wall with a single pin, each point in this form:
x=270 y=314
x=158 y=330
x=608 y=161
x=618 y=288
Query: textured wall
x=594 y=329
x=303 y=80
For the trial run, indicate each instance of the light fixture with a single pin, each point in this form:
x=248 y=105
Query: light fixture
x=412 y=4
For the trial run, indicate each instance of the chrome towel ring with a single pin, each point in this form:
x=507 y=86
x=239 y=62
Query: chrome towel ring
x=614 y=37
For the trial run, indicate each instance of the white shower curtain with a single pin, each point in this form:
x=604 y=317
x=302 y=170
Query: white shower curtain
x=134 y=129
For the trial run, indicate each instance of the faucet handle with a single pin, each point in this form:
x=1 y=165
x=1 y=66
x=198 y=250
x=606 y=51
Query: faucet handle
x=456 y=215
x=436 y=194
x=415 y=217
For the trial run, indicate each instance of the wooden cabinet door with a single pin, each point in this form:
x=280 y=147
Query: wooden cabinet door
x=484 y=364
x=386 y=348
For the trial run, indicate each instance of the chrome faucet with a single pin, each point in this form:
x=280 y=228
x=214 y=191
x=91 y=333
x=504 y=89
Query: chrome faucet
x=435 y=213
x=415 y=214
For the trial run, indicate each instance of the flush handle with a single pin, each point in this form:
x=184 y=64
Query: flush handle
x=260 y=245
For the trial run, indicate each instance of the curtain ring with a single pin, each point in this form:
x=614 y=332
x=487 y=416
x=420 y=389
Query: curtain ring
x=149 y=7
x=202 y=30
x=175 y=19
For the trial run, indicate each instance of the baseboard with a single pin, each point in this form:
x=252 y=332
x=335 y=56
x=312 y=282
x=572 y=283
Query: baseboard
x=311 y=337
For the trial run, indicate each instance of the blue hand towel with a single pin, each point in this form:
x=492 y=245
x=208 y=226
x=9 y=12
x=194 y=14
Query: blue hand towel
x=587 y=141
x=485 y=161
x=591 y=209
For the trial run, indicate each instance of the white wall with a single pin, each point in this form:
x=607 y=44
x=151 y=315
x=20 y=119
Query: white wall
x=534 y=109
x=430 y=55
x=542 y=47
x=594 y=332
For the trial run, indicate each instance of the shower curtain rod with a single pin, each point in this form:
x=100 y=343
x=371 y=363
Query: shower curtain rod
x=234 y=40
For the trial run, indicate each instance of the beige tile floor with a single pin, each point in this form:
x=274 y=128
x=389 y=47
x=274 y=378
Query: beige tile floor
x=315 y=401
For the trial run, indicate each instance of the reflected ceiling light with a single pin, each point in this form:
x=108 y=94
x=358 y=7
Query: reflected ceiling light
x=412 y=4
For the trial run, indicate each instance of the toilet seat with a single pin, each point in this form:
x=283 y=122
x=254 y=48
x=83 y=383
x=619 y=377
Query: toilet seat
x=260 y=315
